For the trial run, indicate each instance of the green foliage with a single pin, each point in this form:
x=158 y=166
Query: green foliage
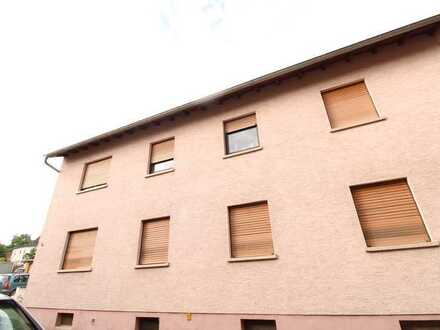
x=30 y=255
x=17 y=242
x=3 y=250
x=20 y=241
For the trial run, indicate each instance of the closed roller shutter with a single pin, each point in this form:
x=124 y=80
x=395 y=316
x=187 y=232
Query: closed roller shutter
x=79 y=252
x=162 y=151
x=240 y=123
x=250 y=230
x=388 y=214
x=155 y=238
x=96 y=173
x=349 y=105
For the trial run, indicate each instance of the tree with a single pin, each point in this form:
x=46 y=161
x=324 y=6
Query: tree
x=20 y=241
x=3 y=250
x=30 y=255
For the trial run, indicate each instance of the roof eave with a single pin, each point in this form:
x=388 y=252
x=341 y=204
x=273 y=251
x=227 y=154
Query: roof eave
x=423 y=26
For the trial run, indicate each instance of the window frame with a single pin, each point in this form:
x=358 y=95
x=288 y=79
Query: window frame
x=231 y=258
x=138 y=264
x=226 y=134
x=81 y=187
x=243 y=321
x=59 y=319
x=66 y=245
x=380 y=117
x=151 y=171
x=432 y=243
x=150 y=156
x=139 y=318
x=21 y=312
x=407 y=324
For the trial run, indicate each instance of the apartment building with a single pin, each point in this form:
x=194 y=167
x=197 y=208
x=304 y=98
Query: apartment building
x=18 y=255
x=304 y=199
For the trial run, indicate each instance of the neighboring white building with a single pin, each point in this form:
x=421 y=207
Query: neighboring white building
x=17 y=256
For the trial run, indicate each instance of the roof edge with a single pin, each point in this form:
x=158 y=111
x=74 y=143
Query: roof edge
x=427 y=25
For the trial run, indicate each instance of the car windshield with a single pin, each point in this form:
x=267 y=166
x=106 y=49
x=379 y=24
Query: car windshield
x=12 y=318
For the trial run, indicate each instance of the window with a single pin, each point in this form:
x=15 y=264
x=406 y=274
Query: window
x=388 y=214
x=147 y=323
x=258 y=325
x=64 y=319
x=241 y=134
x=162 y=156
x=79 y=250
x=250 y=230
x=154 y=243
x=349 y=106
x=420 y=325
x=12 y=316
x=95 y=174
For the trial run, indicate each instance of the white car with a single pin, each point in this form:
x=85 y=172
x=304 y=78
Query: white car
x=14 y=316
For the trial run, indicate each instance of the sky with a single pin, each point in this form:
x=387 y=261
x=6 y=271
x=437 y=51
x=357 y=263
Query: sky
x=70 y=70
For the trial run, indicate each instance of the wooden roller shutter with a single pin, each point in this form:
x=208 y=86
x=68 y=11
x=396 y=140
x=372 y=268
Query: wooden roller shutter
x=250 y=230
x=240 y=123
x=162 y=151
x=155 y=239
x=79 y=252
x=349 y=105
x=388 y=214
x=96 y=173
x=259 y=325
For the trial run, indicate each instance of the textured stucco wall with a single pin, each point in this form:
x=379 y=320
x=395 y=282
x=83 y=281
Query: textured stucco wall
x=304 y=172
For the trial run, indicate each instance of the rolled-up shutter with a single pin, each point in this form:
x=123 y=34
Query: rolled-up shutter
x=388 y=214
x=96 y=173
x=250 y=230
x=79 y=252
x=162 y=151
x=155 y=238
x=349 y=105
x=240 y=123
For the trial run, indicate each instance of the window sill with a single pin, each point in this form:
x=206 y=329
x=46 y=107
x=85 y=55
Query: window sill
x=159 y=173
x=272 y=257
x=78 y=270
x=161 y=265
x=243 y=152
x=82 y=191
x=404 y=247
x=357 y=125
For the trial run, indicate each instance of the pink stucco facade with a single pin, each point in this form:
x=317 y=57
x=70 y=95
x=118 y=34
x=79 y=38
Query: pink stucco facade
x=323 y=277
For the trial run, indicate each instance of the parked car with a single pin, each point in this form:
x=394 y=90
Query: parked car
x=14 y=316
x=10 y=282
